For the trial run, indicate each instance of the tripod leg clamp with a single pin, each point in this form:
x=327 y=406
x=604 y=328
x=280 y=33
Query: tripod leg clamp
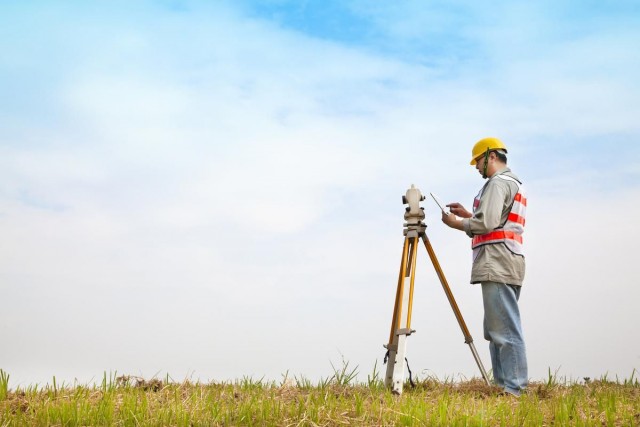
x=405 y=331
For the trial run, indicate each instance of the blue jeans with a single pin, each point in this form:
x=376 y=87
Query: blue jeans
x=503 y=330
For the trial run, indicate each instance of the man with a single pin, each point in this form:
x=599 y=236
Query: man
x=496 y=227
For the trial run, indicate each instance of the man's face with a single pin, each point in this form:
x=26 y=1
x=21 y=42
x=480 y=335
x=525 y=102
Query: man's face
x=480 y=164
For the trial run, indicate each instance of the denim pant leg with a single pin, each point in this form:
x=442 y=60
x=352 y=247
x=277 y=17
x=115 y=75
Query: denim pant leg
x=503 y=330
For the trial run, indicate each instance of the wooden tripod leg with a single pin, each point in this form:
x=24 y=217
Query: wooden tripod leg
x=397 y=307
x=463 y=326
x=412 y=268
x=400 y=329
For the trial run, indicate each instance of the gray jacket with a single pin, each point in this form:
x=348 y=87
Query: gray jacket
x=494 y=262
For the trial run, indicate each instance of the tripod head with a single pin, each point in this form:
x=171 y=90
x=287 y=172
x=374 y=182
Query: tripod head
x=414 y=214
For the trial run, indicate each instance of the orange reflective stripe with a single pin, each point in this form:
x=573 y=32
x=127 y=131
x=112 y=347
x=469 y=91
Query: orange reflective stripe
x=514 y=217
x=496 y=235
x=520 y=198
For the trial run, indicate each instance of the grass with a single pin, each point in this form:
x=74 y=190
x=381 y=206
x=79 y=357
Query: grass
x=337 y=400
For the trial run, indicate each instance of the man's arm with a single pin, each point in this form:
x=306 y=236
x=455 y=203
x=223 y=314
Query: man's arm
x=487 y=216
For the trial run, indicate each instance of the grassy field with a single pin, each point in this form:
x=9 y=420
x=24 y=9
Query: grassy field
x=338 y=400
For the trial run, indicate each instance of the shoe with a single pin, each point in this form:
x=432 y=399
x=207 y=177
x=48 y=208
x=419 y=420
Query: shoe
x=508 y=394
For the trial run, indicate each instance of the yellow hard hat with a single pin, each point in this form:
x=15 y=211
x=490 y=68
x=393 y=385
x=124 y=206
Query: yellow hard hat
x=483 y=145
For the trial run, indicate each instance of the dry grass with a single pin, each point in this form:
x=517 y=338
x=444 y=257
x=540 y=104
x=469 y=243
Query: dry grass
x=135 y=401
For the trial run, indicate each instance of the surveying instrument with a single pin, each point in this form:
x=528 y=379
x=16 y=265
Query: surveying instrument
x=414 y=230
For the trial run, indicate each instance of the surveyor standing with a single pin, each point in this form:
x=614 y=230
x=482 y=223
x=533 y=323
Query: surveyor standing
x=496 y=227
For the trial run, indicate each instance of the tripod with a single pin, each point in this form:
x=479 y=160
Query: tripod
x=414 y=230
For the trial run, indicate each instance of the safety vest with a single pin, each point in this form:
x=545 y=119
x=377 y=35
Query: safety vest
x=510 y=233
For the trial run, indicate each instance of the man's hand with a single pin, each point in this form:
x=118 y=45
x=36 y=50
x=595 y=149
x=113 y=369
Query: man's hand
x=451 y=220
x=459 y=210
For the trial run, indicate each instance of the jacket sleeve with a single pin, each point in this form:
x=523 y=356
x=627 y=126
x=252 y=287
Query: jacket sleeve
x=488 y=215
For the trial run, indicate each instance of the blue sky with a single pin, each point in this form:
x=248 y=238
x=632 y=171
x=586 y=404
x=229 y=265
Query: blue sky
x=178 y=178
